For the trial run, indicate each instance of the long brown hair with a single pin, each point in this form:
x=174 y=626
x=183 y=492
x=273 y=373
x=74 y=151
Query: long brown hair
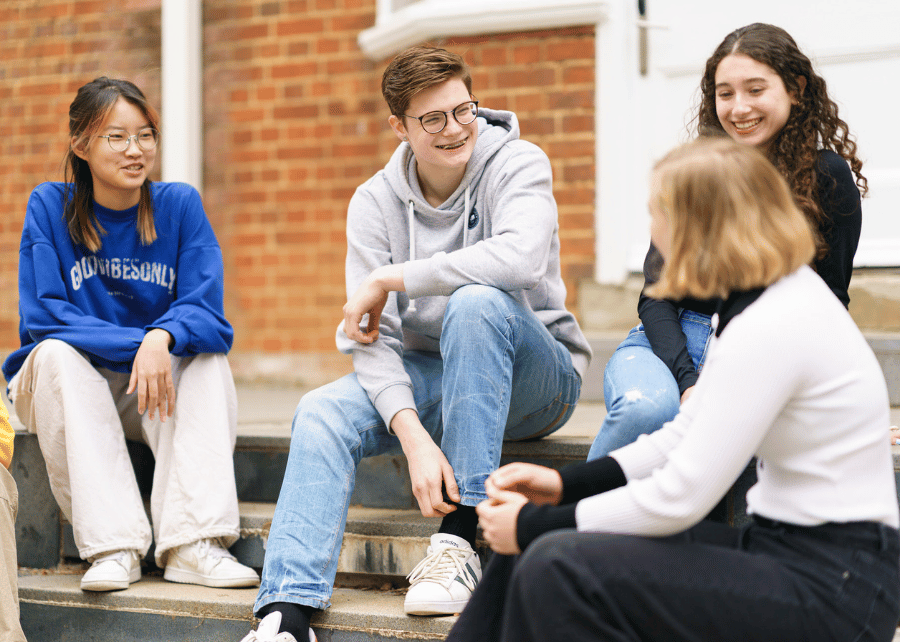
x=93 y=103
x=813 y=123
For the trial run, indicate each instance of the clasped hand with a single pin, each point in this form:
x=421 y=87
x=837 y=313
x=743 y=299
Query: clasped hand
x=508 y=489
x=151 y=375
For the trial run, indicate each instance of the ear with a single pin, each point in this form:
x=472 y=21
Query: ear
x=398 y=127
x=801 y=87
x=77 y=145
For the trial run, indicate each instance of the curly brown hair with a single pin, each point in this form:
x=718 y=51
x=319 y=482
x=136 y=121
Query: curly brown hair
x=813 y=123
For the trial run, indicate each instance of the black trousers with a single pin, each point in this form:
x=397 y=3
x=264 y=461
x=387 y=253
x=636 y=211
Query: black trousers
x=765 y=582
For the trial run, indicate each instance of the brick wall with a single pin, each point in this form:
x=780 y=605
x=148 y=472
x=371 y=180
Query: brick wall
x=294 y=121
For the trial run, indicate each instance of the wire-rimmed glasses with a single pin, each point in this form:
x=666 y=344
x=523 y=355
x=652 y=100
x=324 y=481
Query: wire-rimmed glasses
x=434 y=121
x=147 y=139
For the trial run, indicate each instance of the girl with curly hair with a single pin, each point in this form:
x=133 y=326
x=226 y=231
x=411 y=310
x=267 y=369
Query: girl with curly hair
x=759 y=89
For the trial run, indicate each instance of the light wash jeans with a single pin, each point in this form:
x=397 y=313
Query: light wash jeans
x=639 y=390
x=500 y=375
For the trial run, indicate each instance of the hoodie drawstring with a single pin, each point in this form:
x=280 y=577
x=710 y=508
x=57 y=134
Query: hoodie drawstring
x=411 y=211
x=412 y=243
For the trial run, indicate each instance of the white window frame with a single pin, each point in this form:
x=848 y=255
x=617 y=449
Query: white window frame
x=615 y=23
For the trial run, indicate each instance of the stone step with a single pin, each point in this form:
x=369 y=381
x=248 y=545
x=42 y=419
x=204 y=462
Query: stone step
x=53 y=607
x=885 y=345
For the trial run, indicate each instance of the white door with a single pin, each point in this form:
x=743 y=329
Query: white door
x=854 y=45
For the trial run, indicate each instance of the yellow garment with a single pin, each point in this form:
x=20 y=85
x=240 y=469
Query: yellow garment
x=7 y=436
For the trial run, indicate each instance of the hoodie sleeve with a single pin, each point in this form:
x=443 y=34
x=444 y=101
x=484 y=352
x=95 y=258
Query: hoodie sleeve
x=523 y=219
x=196 y=319
x=378 y=365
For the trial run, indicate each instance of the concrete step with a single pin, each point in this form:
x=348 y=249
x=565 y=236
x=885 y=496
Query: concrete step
x=885 y=345
x=53 y=607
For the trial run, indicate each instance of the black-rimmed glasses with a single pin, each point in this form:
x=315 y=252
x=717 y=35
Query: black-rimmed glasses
x=434 y=121
x=147 y=139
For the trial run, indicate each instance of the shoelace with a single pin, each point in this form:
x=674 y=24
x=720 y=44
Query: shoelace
x=441 y=566
x=213 y=548
x=115 y=556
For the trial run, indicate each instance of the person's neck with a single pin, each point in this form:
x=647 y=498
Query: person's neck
x=437 y=187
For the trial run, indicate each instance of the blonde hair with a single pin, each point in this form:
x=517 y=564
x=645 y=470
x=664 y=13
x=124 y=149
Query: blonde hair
x=732 y=220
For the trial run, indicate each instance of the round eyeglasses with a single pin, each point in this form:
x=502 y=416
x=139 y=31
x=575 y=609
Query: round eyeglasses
x=146 y=139
x=434 y=121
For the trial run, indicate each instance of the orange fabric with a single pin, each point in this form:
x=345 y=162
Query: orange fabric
x=7 y=436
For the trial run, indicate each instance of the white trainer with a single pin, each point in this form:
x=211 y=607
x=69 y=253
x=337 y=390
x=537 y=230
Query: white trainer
x=442 y=583
x=208 y=563
x=113 y=571
x=267 y=631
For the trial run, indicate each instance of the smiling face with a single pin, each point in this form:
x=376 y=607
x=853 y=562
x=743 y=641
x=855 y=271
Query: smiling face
x=118 y=176
x=440 y=158
x=752 y=103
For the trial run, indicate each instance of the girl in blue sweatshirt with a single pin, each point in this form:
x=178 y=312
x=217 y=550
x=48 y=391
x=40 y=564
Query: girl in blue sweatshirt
x=124 y=337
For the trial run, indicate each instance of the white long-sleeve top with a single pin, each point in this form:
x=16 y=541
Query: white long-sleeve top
x=790 y=380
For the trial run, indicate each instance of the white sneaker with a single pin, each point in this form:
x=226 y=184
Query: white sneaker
x=208 y=563
x=267 y=631
x=113 y=571
x=442 y=583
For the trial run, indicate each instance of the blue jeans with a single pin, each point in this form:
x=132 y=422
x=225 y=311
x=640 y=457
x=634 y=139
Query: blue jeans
x=500 y=375
x=639 y=390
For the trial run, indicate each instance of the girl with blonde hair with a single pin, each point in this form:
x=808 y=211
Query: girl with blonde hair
x=819 y=560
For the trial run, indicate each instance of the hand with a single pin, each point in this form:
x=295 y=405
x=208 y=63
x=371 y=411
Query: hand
x=538 y=484
x=429 y=470
x=895 y=435
x=370 y=298
x=498 y=517
x=687 y=393
x=151 y=375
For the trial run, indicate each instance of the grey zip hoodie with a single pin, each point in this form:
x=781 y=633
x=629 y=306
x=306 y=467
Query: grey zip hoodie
x=498 y=228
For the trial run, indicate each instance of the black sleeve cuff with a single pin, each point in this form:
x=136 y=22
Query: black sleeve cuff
x=534 y=521
x=591 y=478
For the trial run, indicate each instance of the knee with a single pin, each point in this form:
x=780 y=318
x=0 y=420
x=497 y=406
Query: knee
x=322 y=417
x=645 y=408
x=474 y=303
x=54 y=351
x=543 y=558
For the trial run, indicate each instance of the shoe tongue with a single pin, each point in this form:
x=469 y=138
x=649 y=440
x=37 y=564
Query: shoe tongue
x=445 y=540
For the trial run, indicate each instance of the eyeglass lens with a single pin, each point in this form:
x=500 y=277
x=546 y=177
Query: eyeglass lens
x=147 y=139
x=435 y=121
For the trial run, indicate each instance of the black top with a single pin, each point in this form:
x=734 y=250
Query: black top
x=840 y=201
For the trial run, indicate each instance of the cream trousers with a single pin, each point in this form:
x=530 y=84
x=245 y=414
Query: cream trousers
x=10 y=627
x=82 y=417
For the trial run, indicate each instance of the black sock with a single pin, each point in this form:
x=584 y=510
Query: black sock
x=463 y=522
x=294 y=618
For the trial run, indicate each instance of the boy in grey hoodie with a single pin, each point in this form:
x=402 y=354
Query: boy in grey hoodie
x=460 y=338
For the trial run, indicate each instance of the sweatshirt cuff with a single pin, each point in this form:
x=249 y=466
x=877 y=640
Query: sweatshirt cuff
x=392 y=400
x=533 y=521
x=590 y=478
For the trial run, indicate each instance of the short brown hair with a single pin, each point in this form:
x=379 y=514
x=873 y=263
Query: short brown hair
x=417 y=69
x=733 y=221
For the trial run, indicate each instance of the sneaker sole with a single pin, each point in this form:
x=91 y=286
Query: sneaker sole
x=188 y=577
x=435 y=608
x=108 y=585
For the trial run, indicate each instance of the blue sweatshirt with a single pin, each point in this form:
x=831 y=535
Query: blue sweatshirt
x=104 y=303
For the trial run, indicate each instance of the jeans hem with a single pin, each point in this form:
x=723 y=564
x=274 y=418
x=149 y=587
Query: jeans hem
x=302 y=600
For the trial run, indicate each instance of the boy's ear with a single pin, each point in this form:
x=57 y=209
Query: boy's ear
x=398 y=127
